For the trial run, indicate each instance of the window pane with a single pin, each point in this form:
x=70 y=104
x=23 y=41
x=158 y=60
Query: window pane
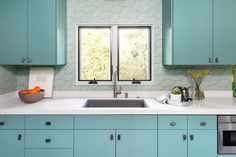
x=134 y=53
x=95 y=56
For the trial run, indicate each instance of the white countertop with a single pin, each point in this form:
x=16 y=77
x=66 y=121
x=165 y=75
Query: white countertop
x=10 y=104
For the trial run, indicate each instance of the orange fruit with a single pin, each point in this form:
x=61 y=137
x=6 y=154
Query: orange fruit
x=37 y=88
x=31 y=91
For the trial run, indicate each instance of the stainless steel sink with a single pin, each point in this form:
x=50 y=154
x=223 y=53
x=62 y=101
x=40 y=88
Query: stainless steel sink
x=114 y=103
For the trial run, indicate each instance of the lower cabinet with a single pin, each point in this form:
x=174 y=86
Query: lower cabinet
x=172 y=143
x=202 y=141
x=94 y=143
x=136 y=143
x=115 y=136
x=115 y=143
x=109 y=136
x=11 y=143
x=187 y=136
x=49 y=153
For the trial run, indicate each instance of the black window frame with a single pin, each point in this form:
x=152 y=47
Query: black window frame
x=150 y=52
x=79 y=63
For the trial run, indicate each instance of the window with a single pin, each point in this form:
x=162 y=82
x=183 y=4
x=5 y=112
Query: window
x=94 y=54
x=106 y=50
x=134 y=53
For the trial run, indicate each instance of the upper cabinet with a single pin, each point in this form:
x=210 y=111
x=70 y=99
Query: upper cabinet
x=199 y=32
x=34 y=32
x=224 y=30
x=13 y=30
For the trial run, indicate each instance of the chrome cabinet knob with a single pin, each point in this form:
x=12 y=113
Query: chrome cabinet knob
x=217 y=60
x=172 y=123
x=203 y=123
x=2 y=123
x=111 y=137
x=48 y=140
x=22 y=59
x=29 y=60
x=184 y=137
x=191 y=137
x=211 y=60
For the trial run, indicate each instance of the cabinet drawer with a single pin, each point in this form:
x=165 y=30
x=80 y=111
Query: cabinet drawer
x=11 y=122
x=172 y=122
x=116 y=122
x=49 y=153
x=202 y=122
x=49 y=139
x=49 y=122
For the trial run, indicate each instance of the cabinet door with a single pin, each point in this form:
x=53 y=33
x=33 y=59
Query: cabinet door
x=13 y=31
x=42 y=32
x=192 y=28
x=136 y=143
x=224 y=31
x=11 y=143
x=204 y=141
x=172 y=143
x=94 y=143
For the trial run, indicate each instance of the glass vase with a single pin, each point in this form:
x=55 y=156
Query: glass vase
x=198 y=93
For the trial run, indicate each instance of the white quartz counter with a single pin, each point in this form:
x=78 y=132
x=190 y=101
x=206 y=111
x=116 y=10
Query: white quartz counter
x=10 y=104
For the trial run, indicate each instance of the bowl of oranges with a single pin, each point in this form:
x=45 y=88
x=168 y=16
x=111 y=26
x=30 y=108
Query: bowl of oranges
x=31 y=95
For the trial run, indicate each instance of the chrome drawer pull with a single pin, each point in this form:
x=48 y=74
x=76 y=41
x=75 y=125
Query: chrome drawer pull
x=203 y=123
x=22 y=60
x=111 y=137
x=48 y=140
x=119 y=137
x=48 y=123
x=2 y=123
x=19 y=137
x=191 y=137
x=217 y=60
x=173 y=124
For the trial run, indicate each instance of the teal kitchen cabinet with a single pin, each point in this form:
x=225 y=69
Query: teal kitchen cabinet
x=49 y=153
x=136 y=143
x=202 y=132
x=199 y=136
x=34 y=32
x=115 y=136
x=12 y=136
x=172 y=143
x=13 y=31
x=199 y=32
x=46 y=32
x=172 y=136
x=12 y=143
x=224 y=31
x=187 y=32
x=49 y=136
x=202 y=141
x=115 y=143
x=91 y=143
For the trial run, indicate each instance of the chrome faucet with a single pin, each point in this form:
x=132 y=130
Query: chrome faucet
x=115 y=91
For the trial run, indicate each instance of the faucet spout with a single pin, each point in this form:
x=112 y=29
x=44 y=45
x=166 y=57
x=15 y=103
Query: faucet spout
x=115 y=90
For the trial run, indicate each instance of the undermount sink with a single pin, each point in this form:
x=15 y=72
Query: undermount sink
x=115 y=104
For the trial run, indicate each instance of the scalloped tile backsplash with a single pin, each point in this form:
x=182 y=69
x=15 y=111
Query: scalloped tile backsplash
x=126 y=11
x=118 y=11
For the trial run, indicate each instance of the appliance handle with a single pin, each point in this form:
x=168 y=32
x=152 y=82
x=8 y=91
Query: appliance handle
x=220 y=140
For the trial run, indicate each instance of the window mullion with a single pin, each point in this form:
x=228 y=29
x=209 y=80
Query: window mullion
x=114 y=48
